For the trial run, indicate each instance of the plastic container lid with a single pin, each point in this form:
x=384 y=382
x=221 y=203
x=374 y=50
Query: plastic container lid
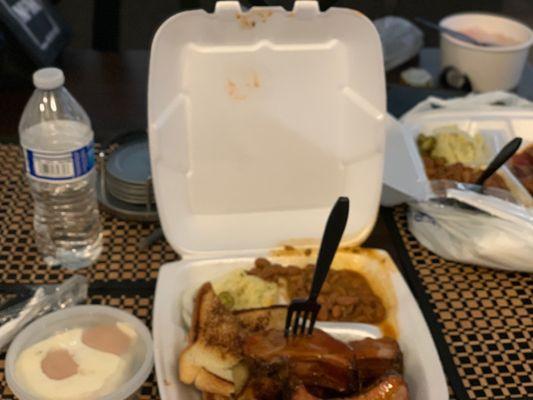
x=48 y=78
x=83 y=316
x=259 y=120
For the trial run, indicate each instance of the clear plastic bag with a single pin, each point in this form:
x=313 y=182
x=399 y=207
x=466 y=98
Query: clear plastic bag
x=487 y=229
x=401 y=40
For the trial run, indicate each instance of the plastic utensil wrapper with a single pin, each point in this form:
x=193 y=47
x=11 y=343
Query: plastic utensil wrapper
x=44 y=300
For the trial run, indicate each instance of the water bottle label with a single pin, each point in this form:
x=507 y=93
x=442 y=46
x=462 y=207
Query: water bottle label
x=60 y=166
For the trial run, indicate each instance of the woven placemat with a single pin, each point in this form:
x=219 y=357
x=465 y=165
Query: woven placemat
x=485 y=318
x=139 y=305
x=123 y=277
x=121 y=259
x=481 y=318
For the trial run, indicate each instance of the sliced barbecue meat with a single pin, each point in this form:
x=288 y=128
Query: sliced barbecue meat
x=390 y=387
x=320 y=367
x=301 y=393
x=375 y=358
x=316 y=360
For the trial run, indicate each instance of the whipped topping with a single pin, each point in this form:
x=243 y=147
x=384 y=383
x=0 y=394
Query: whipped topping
x=78 y=363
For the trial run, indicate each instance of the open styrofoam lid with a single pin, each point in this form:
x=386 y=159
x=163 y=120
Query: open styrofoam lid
x=259 y=120
x=403 y=175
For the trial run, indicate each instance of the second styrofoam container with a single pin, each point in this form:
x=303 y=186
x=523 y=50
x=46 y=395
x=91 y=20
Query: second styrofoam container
x=491 y=67
x=496 y=125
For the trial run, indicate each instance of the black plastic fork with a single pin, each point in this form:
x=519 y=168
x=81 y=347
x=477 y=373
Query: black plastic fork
x=499 y=159
x=302 y=311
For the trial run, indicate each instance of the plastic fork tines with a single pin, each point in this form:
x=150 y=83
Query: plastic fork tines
x=303 y=313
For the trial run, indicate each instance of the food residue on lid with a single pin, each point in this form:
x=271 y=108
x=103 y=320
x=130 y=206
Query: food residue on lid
x=241 y=90
x=250 y=19
x=264 y=15
x=233 y=90
x=245 y=21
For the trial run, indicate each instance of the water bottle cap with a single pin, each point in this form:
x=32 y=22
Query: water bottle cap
x=48 y=78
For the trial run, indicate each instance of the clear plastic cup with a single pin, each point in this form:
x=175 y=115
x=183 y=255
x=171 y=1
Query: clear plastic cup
x=84 y=316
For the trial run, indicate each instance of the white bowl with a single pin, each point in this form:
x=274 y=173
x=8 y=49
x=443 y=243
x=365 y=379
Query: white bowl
x=487 y=67
x=82 y=316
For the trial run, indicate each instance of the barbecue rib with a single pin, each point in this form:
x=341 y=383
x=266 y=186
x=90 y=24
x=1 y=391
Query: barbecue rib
x=245 y=356
x=390 y=387
x=321 y=367
x=375 y=358
x=316 y=359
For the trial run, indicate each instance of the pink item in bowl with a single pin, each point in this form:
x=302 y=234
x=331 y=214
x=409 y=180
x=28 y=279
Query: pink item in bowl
x=488 y=68
x=486 y=36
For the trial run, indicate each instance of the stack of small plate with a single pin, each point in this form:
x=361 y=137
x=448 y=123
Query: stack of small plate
x=125 y=187
x=128 y=173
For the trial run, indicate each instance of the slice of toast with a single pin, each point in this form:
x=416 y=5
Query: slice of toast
x=215 y=344
x=261 y=319
x=207 y=382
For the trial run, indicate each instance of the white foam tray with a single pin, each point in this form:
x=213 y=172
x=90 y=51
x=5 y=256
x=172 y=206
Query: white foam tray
x=423 y=370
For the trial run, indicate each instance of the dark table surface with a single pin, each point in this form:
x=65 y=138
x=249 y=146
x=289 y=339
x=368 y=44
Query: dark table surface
x=112 y=88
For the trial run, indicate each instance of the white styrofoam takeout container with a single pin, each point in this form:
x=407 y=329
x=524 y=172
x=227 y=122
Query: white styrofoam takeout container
x=258 y=121
x=497 y=125
x=491 y=67
x=422 y=368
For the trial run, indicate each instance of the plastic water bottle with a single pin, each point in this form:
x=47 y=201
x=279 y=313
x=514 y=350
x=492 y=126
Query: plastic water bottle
x=58 y=145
